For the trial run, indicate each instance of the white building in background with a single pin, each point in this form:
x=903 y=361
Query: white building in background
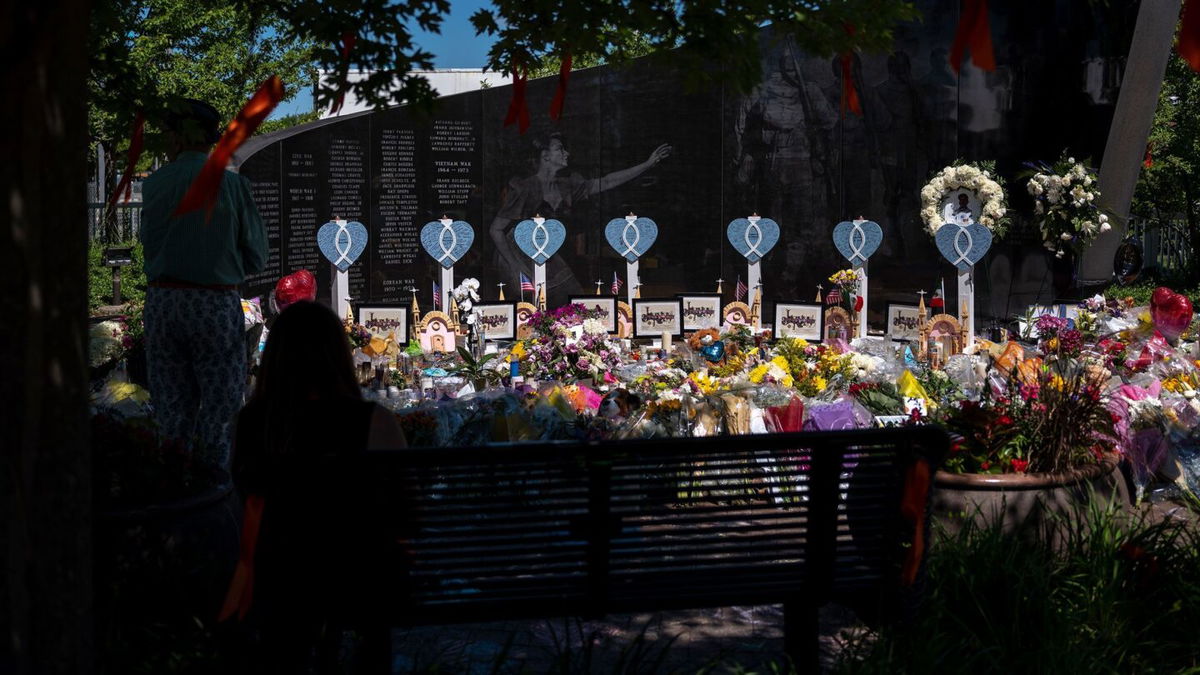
x=446 y=82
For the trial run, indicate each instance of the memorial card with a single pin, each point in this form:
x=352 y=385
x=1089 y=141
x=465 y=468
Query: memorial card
x=902 y=322
x=382 y=320
x=497 y=320
x=797 y=320
x=701 y=310
x=652 y=318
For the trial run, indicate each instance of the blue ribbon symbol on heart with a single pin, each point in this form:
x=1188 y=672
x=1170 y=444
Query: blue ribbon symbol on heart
x=447 y=241
x=540 y=241
x=857 y=240
x=753 y=238
x=631 y=238
x=963 y=245
x=342 y=243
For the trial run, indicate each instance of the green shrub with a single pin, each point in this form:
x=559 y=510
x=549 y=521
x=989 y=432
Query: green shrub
x=100 y=287
x=1111 y=595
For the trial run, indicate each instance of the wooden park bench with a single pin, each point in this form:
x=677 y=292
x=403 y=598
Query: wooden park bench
x=549 y=530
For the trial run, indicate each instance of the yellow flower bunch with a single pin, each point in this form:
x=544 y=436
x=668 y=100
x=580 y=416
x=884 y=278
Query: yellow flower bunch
x=518 y=351
x=704 y=382
x=776 y=368
x=844 y=277
x=1181 y=383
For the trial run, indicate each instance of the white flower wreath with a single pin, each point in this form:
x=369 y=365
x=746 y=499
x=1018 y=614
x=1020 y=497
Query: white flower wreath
x=965 y=177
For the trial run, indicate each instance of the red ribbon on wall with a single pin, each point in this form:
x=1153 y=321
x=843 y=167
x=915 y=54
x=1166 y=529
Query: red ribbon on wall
x=135 y=151
x=240 y=595
x=518 y=109
x=849 y=93
x=975 y=33
x=348 y=40
x=207 y=186
x=560 y=95
x=1189 y=34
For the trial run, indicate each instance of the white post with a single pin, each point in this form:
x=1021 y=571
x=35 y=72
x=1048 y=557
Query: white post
x=447 y=286
x=966 y=293
x=340 y=300
x=447 y=272
x=539 y=276
x=632 y=281
x=862 y=290
x=753 y=278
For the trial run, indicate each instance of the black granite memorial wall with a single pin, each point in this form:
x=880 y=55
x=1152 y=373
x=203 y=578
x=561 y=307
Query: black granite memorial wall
x=634 y=139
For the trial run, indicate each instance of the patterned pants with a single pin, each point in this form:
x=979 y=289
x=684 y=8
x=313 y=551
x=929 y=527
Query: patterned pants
x=196 y=362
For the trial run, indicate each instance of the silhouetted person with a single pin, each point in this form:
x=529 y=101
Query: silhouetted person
x=195 y=350
x=300 y=442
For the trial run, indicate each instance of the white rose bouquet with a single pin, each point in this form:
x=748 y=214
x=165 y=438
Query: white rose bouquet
x=1064 y=202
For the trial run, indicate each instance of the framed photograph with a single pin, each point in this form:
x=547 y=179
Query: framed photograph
x=653 y=317
x=497 y=320
x=605 y=303
x=701 y=310
x=960 y=205
x=382 y=320
x=799 y=320
x=902 y=322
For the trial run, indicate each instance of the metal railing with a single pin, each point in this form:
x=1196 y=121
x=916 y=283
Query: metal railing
x=1165 y=245
x=128 y=221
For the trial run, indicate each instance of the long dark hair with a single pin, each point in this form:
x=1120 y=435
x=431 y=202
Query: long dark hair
x=307 y=357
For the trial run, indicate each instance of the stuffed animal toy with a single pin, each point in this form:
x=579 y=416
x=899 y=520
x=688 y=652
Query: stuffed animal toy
x=707 y=342
x=618 y=404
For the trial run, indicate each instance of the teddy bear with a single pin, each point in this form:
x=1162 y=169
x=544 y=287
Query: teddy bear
x=707 y=343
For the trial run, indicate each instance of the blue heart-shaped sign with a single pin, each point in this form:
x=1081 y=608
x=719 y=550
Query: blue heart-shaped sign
x=962 y=245
x=631 y=238
x=857 y=240
x=540 y=241
x=447 y=241
x=341 y=244
x=753 y=239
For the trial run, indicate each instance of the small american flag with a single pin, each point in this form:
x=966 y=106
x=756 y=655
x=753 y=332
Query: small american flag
x=526 y=284
x=834 y=297
x=437 y=296
x=616 y=285
x=739 y=291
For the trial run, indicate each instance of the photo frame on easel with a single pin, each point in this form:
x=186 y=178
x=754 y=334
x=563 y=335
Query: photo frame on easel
x=799 y=320
x=497 y=320
x=700 y=311
x=605 y=303
x=384 y=319
x=654 y=316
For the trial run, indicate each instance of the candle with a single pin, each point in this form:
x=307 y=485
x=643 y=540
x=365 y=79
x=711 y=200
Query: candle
x=666 y=341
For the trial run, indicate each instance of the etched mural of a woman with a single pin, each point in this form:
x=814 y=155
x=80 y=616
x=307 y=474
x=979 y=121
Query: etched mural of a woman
x=552 y=193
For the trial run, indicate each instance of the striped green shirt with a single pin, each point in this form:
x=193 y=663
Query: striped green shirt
x=232 y=244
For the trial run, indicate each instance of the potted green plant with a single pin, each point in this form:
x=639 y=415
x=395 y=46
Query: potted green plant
x=1039 y=444
x=475 y=370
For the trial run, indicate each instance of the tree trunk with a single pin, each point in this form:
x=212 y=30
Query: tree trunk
x=45 y=483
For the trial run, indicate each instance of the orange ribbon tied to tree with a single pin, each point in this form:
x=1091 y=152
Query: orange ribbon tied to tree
x=135 y=152
x=205 y=189
x=973 y=32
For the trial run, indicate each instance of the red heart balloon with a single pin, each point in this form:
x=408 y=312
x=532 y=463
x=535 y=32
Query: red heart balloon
x=1171 y=312
x=295 y=287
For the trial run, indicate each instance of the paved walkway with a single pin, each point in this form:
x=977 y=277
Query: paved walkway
x=717 y=641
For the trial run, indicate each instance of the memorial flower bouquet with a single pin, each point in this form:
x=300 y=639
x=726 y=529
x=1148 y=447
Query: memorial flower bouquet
x=568 y=344
x=1065 y=195
x=846 y=283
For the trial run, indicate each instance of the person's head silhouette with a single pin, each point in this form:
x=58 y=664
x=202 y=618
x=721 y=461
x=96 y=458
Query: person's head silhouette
x=306 y=357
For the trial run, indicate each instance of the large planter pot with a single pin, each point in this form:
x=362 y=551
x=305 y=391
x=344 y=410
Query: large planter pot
x=171 y=557
x=1024 y=501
